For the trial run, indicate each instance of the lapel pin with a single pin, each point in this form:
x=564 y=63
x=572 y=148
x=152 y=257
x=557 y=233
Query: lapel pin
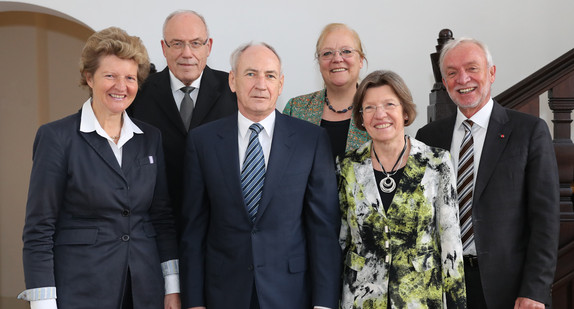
x=501 y=135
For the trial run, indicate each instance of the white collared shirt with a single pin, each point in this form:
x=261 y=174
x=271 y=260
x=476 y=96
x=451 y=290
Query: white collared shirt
x=479 y=128
x=89 y=123
x=265 y=136
x=176 y=86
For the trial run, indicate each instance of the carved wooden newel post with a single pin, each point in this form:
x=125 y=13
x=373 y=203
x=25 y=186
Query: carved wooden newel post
x=561 y=102
x=440 y=103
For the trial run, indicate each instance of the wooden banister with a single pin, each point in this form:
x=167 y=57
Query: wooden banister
x=538 y=83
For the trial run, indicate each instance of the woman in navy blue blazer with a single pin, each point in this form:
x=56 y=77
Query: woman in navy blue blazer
x=99 y=230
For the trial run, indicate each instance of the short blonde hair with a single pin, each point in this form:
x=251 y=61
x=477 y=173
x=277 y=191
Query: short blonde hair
x=335 y=26
x=117 y=42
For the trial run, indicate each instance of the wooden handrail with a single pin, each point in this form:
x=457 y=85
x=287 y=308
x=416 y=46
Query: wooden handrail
x=538 y=82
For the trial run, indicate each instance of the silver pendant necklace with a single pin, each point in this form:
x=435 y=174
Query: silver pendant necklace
x=388 y=184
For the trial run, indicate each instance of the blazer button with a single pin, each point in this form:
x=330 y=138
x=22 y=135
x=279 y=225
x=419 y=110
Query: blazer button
x=125 y=237
x=250 y=267
x=126 y=212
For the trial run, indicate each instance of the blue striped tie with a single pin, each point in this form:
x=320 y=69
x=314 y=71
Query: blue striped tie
x=253 y=172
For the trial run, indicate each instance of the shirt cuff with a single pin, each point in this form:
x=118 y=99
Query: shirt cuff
x=171 y=284
x=38 y=294
x=170 y=271
x=319 y=307
x=44 y=304
x=170 y=267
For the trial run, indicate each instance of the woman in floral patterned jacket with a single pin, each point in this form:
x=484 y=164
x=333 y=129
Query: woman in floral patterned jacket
x=400 y=232
x=339 y=52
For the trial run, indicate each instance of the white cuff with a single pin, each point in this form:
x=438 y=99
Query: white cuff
x=44 y=304
x=171 y=284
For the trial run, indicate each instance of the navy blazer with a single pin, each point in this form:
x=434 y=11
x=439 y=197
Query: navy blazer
x=155 y=105
x=88 y=220
x=291 y=252
x=515 y=211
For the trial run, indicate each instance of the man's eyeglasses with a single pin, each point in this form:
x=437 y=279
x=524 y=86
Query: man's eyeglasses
x=196 y=44
x=371 y=109
x=328 y=54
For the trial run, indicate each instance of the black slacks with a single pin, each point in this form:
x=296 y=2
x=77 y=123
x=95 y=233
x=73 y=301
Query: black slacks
x=474 y=293
x=128 y=302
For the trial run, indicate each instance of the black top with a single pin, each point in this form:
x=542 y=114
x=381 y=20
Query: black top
x=337 y=131
x=387 y=198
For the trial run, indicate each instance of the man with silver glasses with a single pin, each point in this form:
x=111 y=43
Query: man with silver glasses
x=186 y=94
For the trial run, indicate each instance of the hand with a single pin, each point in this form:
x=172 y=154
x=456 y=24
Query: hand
x=527 y=303
x=172 y=301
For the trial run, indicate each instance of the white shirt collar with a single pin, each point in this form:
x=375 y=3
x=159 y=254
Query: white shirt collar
x=268 y=124
x=89 y=123
x=176 y=84
x=480 y=118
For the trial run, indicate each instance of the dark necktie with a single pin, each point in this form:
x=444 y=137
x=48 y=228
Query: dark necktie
x=253 y=172
x=186 y=107
x=465 y=184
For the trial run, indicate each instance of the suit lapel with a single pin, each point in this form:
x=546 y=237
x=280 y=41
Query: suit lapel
x=129 y=153
x=495 y=142
x=207 y=96
x=227 y=152
x=444 y=139
x=102 y=148
x=163 y=96
x=364 y=175
x=315 y=112
x=279 y=158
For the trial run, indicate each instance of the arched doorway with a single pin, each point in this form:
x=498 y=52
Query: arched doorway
x=40 y=83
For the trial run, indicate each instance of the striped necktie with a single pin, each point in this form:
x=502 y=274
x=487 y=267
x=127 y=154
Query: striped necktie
x=465 y=184
x=253 y=172
x=186 y=107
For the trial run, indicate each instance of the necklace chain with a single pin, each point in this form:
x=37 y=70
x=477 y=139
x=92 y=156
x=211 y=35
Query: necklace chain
x=344 y=110
x=388 y=184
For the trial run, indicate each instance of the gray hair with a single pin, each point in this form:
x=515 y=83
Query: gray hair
x=454 y=43
x=181 y=12
x=234 y=59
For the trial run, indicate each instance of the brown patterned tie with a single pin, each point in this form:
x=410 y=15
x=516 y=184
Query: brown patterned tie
x=465 y=184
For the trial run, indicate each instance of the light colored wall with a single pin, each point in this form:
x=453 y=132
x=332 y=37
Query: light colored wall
x=39 y=56
x=39 y=61
x=398 y=35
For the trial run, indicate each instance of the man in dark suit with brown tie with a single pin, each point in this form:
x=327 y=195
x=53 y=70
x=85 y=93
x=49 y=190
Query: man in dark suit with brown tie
x=186 y=94
x=513 y=220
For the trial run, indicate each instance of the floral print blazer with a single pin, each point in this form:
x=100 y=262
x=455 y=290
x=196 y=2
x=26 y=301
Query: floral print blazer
x=309 y=107
x=410 y=256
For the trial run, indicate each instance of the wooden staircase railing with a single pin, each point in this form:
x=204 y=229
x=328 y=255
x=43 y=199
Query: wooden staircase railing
x=556 y=79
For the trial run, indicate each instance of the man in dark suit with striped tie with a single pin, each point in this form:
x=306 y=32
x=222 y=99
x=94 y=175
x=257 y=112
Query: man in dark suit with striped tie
x=260 y=211
x=507 y=185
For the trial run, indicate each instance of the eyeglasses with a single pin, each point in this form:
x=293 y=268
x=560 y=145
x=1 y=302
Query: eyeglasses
x=328 y=54
x=371 y=109
x=196 y=44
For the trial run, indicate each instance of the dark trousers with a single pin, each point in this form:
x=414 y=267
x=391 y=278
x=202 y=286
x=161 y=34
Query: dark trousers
x=127 y=302
x=254 y=300
x=474 y=293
